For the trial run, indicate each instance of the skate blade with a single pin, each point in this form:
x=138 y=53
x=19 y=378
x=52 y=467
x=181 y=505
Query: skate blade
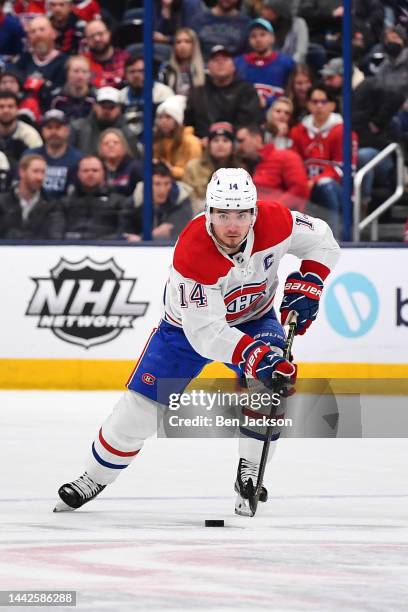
x=61 y=506
x=242 y=507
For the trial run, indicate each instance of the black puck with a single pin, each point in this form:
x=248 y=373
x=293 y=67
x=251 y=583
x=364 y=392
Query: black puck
x=214 y=523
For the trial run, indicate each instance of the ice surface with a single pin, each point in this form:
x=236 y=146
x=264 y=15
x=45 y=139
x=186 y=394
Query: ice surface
x=334 y=535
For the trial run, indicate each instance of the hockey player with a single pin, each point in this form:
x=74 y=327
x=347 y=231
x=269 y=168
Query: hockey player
x=218 y=303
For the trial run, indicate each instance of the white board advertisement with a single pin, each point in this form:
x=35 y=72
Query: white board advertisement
x=101 y=303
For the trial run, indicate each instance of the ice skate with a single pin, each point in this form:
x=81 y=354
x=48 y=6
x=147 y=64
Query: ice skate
x=245 y=484
x=75 y=494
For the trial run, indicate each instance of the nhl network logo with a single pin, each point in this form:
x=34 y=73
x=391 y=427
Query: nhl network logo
x=85 y=302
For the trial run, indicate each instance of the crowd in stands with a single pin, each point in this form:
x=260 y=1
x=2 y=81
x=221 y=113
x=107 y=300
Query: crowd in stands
x=240 y=83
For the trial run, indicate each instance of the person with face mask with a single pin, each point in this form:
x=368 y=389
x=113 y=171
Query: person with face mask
x=393 y=72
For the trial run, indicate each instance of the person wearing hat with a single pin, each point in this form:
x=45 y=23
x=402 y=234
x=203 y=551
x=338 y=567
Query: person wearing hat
x=219 y=153
x=62 y=158
x=107 y=112
x=291 y=32
x=223 y=97
x=267 y=69
x=332 y=76
x=223 y=24
x=174 y=144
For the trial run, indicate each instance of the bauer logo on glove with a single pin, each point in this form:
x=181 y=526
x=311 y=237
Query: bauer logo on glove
x=262 y=363
x=301 y=293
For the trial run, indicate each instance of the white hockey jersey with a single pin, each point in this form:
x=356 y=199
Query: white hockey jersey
x=209 y=292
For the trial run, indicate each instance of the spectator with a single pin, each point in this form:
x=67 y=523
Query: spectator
x=191 y=10
x=25 y=213
x=185 y=68
x=278 y=175
x=28 y=9
x=265 y=68
x=332 y=75
x=368 y=21
x=224 y=25
x=43 y=59
x=374 y=108
x=66 y=24
x=291 y=32
x=87 y=10
x=106 y=113
x=107 y=62
x=122 y=172
x=12 y=33
x=171 y=206
x=223 y=97
x=278 y=123
x=132 y=95
x=324 y=20
x=10 y=80
x=319 y=141
x=218 y=154
x=62 y=158
x=392 y=75
x=76 y=98
x=167 y=19
x=5 y=173
x=15 y=135
x=28 y=106
x=91 y=212
x=174 y=144
x=300 y=81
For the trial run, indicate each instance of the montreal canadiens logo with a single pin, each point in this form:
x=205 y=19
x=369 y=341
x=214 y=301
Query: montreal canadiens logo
x=240 y=300
x=149 y=379
x=85 y=302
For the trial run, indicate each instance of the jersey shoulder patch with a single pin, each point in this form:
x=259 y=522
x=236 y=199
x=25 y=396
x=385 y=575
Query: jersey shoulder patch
x=196 y=256
x=273 y=225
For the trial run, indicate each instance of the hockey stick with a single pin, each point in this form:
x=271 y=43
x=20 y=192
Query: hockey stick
x=279 y=385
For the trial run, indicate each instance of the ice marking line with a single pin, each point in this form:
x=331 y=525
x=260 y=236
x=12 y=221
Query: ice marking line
x=215 y=497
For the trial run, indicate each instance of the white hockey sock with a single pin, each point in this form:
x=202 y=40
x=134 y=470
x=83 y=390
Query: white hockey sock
x=119 y=440
x=251 y=449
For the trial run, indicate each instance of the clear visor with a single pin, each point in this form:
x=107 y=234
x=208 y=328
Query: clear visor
x=232 y=217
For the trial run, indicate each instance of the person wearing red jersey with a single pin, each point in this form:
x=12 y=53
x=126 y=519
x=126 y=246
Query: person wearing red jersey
x=279 y=175
x=319 y=141
x=218 y=305
x=106 y=61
